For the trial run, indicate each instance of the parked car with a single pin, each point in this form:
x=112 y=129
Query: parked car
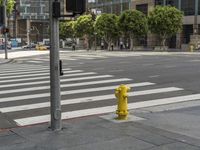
x=41 y=47
x=2 y=47
x=32 y=45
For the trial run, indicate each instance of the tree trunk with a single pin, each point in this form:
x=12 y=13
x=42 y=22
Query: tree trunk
x=164 y=43
x=109 y=45
x=87 y=42
x=131 y=46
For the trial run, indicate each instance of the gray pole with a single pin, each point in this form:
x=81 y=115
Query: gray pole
x=5 y=26
x=56 y=122
x=196 y=17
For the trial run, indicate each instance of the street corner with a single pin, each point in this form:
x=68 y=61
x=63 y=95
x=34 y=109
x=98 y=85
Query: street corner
x=6 y=122
x=5 y=61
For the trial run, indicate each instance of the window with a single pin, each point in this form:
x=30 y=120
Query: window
x=158 y=2
x=188 y=7
x=143 y=8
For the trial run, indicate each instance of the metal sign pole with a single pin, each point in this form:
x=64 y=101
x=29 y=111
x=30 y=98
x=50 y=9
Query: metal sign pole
x=5 y=26
x=56 y=122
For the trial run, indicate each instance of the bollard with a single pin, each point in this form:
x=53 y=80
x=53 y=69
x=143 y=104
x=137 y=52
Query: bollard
x=122 y=97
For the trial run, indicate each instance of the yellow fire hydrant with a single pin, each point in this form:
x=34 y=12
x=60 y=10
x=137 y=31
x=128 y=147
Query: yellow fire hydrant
x=122 y=97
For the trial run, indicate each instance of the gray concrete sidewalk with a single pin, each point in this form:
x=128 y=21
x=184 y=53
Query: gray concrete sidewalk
x=158 y=129
x=4 y=61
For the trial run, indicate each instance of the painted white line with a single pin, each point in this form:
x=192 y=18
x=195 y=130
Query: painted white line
x=38 y=74
x=35 y=61
x=22 y=68
x=108 y=109
x=63 y=85
x=75 y=101
x=83 y=58
x=62 y=80
x=16 y=70
x=29 y=72
x=95 y=56
x=47 y=77
x=67 y=58
x=154 y=76
x=42 y=95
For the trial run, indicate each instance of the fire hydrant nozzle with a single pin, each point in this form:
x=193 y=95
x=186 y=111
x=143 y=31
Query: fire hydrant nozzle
x=122 y=97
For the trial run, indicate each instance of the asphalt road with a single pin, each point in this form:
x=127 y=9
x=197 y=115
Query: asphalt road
x=89 y=82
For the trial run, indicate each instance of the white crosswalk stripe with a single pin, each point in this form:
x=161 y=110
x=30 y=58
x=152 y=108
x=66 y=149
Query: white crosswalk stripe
x=106 y=109
x=62 y=80
x=37 y=74
x=46 y=77
x=24 y=93
x=28 y=72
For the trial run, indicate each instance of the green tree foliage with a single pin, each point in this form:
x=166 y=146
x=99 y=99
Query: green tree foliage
x=67 y=29
x=106 y=26
x=84 y=27
x=10 y=5
x=165 y=21
x=134 y=24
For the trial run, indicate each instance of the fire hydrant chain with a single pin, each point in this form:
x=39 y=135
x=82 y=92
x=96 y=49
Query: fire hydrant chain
x=122 y=97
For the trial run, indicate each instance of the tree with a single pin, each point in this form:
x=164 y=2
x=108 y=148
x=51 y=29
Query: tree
x=67 y=29
x=84 y=27
x=106 y=26
x=10 y=5
x=134 y=24
x=165 y=21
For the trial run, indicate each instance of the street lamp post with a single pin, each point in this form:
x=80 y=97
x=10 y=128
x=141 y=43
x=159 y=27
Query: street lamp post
x=56 y=122
x=5 y=26
x=196 y=18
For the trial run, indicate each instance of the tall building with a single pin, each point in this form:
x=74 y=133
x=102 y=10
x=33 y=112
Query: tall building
x=30 y=20
x=191 y=21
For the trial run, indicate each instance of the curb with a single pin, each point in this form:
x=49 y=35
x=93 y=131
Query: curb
x=8 y=61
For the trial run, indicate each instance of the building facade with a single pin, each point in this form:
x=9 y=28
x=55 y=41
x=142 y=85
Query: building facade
x=191 y=21
x=30 y=20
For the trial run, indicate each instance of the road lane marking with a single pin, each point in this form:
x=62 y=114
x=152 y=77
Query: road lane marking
x=46 y=77
x=38 y=74
x=105 y=88
x=63 y=86
x=107 y=109
x=62 y=80
x=19 y=70
x=76 y=101
x=29 y=72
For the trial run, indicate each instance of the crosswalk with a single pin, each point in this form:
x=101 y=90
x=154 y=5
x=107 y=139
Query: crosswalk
x=76 y=56
x=24 y=93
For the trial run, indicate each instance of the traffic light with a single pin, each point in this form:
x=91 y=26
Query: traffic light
x=1 y=15
x=76 y=6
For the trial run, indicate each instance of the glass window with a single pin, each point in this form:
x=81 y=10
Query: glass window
x=172 y=3
x=158 y=2
x=117 y=8
x=187 y=31
x=143 y=8
x=125 y=6
x=188 y=7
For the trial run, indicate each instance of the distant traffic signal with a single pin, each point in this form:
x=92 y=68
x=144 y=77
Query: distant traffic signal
x=1 y=15
x=76 y=6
